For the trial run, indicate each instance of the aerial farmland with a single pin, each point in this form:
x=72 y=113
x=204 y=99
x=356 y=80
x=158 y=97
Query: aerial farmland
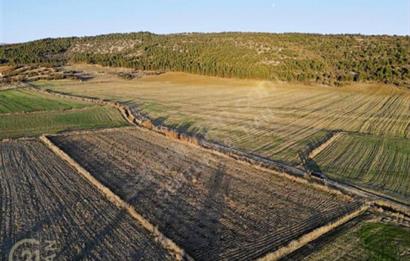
x=276 y=121
x=240 y=182
x=229 y=145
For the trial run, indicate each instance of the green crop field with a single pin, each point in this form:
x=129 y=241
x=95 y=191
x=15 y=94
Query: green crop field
x=367 y=241
x=378 y=163
x=21 y=100
x=27 y=113
x=13 y=126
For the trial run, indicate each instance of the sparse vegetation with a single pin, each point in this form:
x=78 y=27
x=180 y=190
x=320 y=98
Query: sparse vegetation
x=34 y=124
x=274 y=120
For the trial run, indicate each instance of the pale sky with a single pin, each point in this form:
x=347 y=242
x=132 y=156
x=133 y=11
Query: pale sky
x=34 y=19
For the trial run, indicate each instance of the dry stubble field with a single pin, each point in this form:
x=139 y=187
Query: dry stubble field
x=275 y=120
x=41 y=197
x=212 y=206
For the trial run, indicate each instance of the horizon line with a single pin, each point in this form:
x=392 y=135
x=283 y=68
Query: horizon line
x=208 y=32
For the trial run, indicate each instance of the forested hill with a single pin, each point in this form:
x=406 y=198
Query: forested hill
x=327 y=59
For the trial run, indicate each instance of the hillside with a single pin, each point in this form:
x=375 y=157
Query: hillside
x=325 y=59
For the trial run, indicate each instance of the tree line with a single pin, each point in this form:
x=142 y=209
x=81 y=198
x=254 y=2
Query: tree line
x=326 y=59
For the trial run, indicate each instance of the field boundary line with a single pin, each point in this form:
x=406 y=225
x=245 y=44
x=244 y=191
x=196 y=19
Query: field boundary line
x=394 y=203
x=392 y=208
x=324 y=145
x=167 y=243
x=313 y=235
x=294 y=178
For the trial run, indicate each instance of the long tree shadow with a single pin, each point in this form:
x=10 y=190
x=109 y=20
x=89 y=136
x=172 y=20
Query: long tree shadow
x=313 y=168
x=194 y=223
x=310 y=166
x=96 y=240
x=209 y=214
x=183 y=127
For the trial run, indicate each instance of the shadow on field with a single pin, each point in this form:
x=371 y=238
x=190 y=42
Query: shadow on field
x=208 y=215
x=196 y=227
x=310 y=165
x=212 y=210
x=93 y=242
x=183 y=127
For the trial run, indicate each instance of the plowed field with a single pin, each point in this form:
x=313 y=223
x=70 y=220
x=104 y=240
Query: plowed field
x=42 y=198
x=210 y=205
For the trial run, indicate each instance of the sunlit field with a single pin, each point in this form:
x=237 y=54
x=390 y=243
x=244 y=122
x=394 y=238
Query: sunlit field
x=272 y=119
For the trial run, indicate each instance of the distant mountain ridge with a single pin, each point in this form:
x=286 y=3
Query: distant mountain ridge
x=325 y=59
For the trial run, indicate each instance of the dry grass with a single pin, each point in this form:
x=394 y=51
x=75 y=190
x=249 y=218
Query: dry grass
x=5 y=68
x=274 y=120
x=271 y=119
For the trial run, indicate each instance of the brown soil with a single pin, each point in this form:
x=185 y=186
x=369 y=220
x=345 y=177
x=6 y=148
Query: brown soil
x=214 y=207
x=42 y=198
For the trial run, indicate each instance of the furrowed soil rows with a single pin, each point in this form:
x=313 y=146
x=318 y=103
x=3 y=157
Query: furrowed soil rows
x=42 y=198
x=212 y=206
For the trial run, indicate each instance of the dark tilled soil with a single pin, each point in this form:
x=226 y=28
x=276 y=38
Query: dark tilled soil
x=42 y=198
x=212 y=206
